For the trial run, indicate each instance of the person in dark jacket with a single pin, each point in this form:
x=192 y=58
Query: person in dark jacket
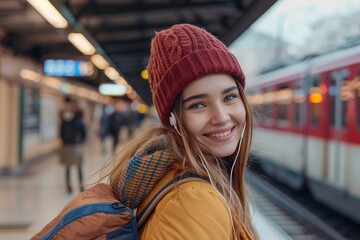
x=118 y=120
x=104 y=126
x=72 y=134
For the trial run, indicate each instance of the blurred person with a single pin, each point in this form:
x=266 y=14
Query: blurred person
x=72 y=134
x=104 y=126
x=198 y=91
x=118 y=120
x=135 y=119
x=151 y=119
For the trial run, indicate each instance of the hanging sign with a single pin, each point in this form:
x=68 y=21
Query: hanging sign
x=68 y=68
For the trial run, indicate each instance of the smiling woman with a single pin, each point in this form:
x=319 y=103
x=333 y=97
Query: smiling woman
x=198 y=91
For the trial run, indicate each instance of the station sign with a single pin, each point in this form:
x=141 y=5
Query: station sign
x=68 y=68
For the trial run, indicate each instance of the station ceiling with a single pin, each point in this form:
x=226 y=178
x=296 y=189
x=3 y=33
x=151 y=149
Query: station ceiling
x=120 y=29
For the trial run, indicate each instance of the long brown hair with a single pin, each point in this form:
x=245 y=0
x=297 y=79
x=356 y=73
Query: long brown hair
x=217 y=169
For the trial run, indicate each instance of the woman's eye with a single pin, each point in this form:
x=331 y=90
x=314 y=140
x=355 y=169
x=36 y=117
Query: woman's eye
x=229 y=98
x=196 y=106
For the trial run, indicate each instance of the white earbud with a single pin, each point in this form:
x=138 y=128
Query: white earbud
x=173 y=122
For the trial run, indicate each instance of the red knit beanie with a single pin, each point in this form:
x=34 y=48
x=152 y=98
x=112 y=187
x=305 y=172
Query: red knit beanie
x=180 y=55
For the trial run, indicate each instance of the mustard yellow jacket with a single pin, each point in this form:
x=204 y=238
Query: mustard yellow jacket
x=192 y=210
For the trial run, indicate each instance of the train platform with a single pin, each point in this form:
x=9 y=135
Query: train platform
x=30 y=201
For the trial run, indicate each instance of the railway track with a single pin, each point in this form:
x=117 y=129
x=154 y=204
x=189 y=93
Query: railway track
x=297 y=213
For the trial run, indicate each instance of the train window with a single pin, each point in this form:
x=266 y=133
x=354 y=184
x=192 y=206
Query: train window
x=315 y=115
x=282 y=112
x=283 y=98
x=299 y=100
x=256 y=101
x=268 y=110
x=268 y=98
x=357 y=79
x=315 y=98
x=297 y=114
x=256 y=111
x=338 y=104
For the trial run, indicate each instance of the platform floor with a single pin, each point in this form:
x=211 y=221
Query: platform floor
x=28 y=202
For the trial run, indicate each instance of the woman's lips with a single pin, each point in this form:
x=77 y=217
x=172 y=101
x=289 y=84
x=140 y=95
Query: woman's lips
x=220 y=135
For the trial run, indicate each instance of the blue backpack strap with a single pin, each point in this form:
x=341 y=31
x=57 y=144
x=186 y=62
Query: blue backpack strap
x=143 y=216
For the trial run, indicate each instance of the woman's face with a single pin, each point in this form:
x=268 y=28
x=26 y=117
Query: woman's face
x=214 y=113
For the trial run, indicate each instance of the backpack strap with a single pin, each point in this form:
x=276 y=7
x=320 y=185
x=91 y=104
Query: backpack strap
x=167 y=187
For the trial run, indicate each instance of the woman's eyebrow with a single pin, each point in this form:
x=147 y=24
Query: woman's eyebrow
x=195 y=97
x=230 y=89
x=227 y=90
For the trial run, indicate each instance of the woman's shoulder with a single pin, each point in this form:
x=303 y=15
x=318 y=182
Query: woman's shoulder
x=194 y=188
x=192 y=210
x=194 y=193
x=190 y=192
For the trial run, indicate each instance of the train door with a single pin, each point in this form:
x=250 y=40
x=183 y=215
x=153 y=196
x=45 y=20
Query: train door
x=315 y=132
x=299 y=125
x=336 y=149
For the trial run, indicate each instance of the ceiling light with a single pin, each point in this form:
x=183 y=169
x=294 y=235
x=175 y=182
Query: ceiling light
x=142 y=108
x=132 y=95
x=112 y=89
x=49 y=12
x=81 y=43
x=30 y=75
x=52 y=82
x=111 y=73
x=120 y=80
x=129 y=89
x=99 y=61
x=144 y=74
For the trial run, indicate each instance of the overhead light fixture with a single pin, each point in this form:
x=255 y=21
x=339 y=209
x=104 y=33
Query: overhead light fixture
x=129 y=89
x=83 y=92
x=111 y=73
x=112 y=89
x=30 y=75
x=120 y=80
x=99 y=61
x=144 y=74
x=132 y=95
x=142 y=108
x=49 y=12
x=52 y=82
x=81 y=43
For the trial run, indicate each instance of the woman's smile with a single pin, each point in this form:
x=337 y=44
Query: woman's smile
x=220 y=135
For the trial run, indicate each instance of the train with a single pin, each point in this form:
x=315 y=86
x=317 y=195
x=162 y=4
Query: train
x=307 y=127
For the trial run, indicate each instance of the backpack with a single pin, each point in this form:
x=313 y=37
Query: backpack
x=97 y=214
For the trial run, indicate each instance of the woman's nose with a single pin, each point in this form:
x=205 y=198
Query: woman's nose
x=220 y=115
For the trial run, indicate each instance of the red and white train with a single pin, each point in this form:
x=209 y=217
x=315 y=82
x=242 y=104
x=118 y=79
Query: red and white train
x=308 y=127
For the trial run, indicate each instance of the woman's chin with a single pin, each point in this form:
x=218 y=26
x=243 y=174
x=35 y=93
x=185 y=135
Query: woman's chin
x=229 y=151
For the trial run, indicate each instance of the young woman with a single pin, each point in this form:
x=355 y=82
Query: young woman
x=198 y=91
